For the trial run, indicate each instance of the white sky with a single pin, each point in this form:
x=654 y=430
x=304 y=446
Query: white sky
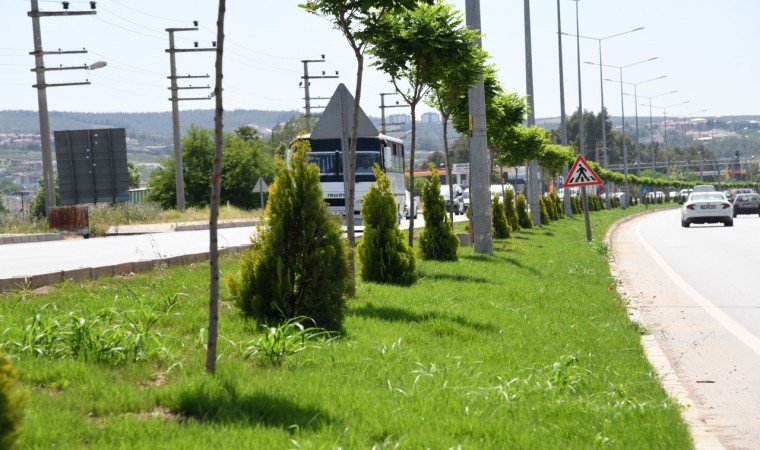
x=707 y=49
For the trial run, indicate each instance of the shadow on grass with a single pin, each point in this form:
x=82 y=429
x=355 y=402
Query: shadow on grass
x=371 y=311
x=507 y=260
x=220 y=401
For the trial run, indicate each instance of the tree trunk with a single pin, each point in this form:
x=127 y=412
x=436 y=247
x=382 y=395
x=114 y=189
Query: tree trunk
x=213 y=304
x=413 y=108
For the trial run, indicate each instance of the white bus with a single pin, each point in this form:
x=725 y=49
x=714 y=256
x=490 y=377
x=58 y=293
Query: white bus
x=386 y=151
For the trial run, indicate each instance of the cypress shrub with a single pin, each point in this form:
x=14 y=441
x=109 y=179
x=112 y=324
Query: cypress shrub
x=559 y=210
x=501 y=228
x=574 y=205
x=544 y=213
x=437 y=239
x=13 y=404
x=298 y=264
x=509 y=209
x=523 y=217
x=384 y=255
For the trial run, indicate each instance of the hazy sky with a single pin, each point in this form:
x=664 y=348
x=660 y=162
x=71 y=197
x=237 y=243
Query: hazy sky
x=707 y=49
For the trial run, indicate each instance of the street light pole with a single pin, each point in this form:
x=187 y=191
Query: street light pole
x=624 y=204
x=664 y=130
x=636 y=102
x=563 y=117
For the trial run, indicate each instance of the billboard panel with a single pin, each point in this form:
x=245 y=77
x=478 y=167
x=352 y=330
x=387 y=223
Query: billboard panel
x=92 y=166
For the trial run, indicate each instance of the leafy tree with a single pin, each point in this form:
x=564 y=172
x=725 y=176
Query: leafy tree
x=437 y=239
x=447 y=92
x=416 y=48
x=134 y=175
x=359 y=21
x=553 y=157
x=383 y=255
x=247 y=133
x=37 y=205
x=245 y=161
x=297 y=265
x=283 y=134
x=13 y=405
x=501 y=228
x=438 y=159
x=7 y=186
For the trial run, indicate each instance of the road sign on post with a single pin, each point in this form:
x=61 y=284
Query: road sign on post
x=582 y=175
x=261 y=187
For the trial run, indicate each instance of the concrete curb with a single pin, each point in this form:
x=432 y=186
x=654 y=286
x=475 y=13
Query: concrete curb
x=23 y=238
x=93 y=273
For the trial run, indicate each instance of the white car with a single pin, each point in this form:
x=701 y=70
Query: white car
x=707 y=207
x=407 y=205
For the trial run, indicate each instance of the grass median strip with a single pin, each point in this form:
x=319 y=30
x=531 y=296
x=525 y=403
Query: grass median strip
x=528 y=348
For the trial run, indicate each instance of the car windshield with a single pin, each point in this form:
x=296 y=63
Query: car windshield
x=707 y=197
x=748 y=198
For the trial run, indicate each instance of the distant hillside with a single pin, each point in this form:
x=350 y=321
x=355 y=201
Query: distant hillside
x=146 y=124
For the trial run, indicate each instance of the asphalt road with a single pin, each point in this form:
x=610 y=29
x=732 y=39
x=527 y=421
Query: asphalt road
x=695 y=290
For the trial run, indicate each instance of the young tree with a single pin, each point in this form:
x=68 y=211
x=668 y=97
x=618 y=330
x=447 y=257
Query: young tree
x=297 y=265
x=501 y=228
x=134 y=175
x=437 y=240
x=358 y=21
x=383 y=255
x=447 y=92
x=216 y=188
x=418 y=47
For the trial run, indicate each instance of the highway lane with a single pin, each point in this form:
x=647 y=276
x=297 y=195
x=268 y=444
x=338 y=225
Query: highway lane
x=696 y=292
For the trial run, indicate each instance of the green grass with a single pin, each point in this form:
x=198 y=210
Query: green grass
x=529 y=348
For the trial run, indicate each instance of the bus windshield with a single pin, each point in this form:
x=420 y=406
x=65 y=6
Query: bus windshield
x=331 y=163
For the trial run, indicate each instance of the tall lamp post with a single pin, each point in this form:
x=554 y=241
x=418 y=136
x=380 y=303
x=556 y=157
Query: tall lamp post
x=601 y=85
x=665 y=130
x=601 y=88
x=622 y=108
x=651 y=126
x=636 y=102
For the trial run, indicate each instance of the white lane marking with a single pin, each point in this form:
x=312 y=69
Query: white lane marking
x=741 y=333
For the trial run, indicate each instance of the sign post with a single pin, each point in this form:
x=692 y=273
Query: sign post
x=582 y=175
x=262 y=187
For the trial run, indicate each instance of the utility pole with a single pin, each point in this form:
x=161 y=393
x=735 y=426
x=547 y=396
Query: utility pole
x=382 y=110
x=532 y=184
x=39 y=67
x=306 y=83
x=178 y=166
x=480 y=169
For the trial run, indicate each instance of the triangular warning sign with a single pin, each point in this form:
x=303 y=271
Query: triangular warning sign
x=581 y=174
x=339 y=111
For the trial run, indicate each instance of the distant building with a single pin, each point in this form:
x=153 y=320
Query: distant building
x=399 y=119
x=431 y=117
